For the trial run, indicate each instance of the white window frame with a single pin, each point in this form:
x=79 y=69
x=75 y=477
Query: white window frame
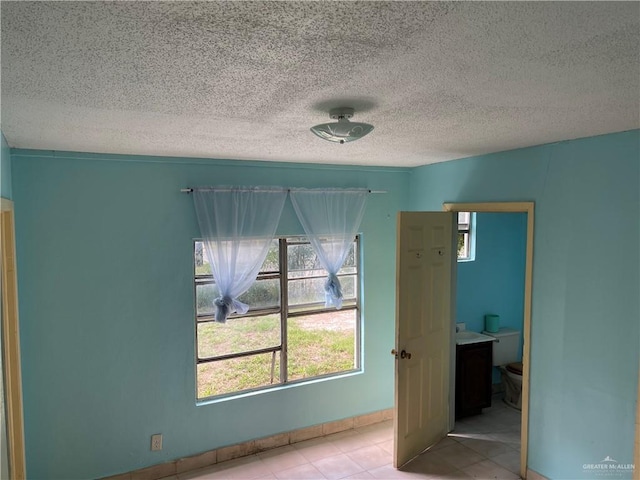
x=467 y=229
x=284 y=311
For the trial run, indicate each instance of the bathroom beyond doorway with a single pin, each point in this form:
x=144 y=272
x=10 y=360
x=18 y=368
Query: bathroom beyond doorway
x=506 y=207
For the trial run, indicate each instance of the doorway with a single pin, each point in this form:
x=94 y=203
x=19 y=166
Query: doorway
x=528 y=209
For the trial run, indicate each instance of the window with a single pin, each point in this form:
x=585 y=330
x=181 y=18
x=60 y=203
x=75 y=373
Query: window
x=466 y=240
x=287 y=335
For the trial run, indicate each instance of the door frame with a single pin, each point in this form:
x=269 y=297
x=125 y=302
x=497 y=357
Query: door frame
x=636 y=455
x=11 y=343
x=528 y=208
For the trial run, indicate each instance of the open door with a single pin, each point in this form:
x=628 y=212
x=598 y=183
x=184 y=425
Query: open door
x=425 y=306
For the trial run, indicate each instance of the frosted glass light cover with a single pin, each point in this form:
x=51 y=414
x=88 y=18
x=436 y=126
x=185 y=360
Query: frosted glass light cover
x=342 y=131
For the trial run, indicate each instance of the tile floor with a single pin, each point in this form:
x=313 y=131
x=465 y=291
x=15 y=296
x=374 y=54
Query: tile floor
x=485 y=446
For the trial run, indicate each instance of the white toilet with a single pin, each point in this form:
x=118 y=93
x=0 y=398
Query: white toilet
x=505 y=357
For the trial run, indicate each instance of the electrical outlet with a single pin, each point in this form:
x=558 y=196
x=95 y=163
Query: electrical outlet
x=156 y=442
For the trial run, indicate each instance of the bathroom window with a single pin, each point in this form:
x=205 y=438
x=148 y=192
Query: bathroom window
x=287 y=335
x=466 y=236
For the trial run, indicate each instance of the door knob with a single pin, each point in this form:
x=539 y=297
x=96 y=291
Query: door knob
x=403 y=354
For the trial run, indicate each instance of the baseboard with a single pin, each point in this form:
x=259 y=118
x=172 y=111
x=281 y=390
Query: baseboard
x=533 y=475
x=230 y=452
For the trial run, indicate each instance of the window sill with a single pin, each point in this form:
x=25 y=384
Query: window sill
x=466 y=260
x=278 y=387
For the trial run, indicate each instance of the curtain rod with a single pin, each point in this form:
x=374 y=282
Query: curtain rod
x=205 y=189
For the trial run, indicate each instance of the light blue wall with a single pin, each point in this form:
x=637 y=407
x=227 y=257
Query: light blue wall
x=585 y=330
x=104 y=248
x=494 y=281
x=5 y=168
x=107 y=316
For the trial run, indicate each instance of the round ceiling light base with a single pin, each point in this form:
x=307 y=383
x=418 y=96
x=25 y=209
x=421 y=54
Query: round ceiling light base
x=341 y=112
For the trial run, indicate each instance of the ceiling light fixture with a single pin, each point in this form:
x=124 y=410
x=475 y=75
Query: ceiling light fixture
x=343 y=130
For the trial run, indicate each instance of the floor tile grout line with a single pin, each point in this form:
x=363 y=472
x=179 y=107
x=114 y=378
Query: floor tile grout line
x=347 y=449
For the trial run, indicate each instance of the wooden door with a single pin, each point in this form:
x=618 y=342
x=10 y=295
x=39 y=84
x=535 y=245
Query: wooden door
x=426 y=260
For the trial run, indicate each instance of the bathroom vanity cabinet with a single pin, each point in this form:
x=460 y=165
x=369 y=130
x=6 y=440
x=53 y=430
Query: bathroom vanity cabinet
x=473 y=378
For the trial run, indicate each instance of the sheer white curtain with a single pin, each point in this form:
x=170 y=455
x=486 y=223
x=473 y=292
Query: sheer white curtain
x=330 y=219
x=237 y=225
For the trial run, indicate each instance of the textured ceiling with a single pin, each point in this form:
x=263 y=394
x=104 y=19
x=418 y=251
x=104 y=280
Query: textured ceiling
x=246 y=80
